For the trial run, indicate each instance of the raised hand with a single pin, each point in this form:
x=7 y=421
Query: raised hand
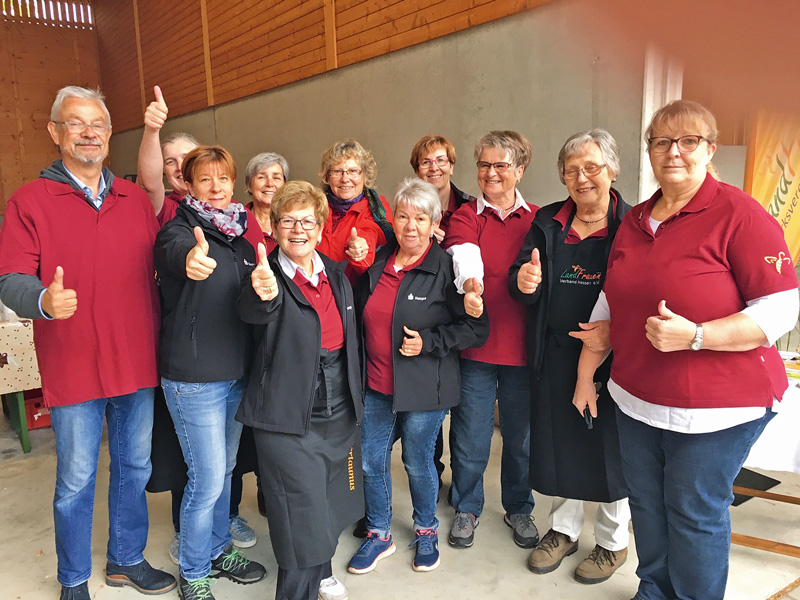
x=595 y=335
x=199 y=265
x=263 y=279
x=473 y=297
x=668 y=331
x=357 y=247
x=156 y=114
x=412 y=342
x=58 y=302
x=438 y=233
x=530 y=274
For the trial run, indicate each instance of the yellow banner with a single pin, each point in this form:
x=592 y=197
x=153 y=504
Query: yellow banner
x=773 y=173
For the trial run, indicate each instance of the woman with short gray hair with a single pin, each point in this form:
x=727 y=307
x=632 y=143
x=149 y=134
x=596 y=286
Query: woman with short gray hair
x=558 y=275
x=412 y=325
x=264 y=175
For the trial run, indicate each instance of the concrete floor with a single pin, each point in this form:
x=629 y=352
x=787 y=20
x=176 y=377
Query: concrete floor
x=493 y=568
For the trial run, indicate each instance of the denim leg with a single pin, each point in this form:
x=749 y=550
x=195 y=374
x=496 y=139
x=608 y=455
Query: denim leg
x=418 y=432
x=130 y=429
x=377 y=438
x=514 y=400
x=77 y=429
x=200 y=413
x=221 y=535
x=471 y=429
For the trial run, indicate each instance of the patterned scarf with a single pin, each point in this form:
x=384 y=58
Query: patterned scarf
x=232 y=221
x=339 y=206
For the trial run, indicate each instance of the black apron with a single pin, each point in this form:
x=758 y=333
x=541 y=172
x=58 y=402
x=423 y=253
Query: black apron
x=568 y=459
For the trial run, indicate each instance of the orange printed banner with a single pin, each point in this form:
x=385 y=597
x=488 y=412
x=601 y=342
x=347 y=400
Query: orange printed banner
x=773 y=172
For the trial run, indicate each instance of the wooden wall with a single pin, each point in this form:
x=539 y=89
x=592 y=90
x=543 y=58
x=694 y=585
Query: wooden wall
x=206 y=52
x=37 y=58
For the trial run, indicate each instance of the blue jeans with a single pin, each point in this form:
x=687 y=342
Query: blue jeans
x=418 y=432
x=471 y=429
x=203 y=414
x=78 y=429
x=680 y=490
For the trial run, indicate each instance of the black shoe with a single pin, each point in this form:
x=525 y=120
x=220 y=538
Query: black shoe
x=78 y=592
x=360 y=530
x=233 y=565
x=142 y=577
x=197 y=589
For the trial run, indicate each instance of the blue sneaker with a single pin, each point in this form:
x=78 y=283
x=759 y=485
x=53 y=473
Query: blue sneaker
x=373 y=549
x=427 y=555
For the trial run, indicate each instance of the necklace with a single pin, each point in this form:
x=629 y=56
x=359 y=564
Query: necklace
x=591 y=222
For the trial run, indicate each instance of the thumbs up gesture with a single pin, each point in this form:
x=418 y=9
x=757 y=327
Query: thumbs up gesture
x=530 y=274
x=357 y=247
x=199 y=265
x=156 y=114
x=412 y=342
x=668 y=331
x=263 y=279
x=473 y=299
x=58 y=302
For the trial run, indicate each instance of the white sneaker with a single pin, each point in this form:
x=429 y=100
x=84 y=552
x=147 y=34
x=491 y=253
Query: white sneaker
x=332 y=589
x=173 y=548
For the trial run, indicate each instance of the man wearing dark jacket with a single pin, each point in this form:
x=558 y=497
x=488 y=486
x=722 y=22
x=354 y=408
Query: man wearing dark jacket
x=88 y=238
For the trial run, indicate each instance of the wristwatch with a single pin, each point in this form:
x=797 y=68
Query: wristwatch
x=697 y=342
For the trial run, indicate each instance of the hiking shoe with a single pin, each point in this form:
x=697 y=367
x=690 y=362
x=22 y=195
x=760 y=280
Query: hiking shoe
x=196 y=589
x=426 y=557
x=242 y=535
x=462 y=533
x=553 y=548
x=174 y=547
x=373 y=549
x=236 y=567
x=332 y=589
x=77 y=592
x=600 y=565
x=141 y=576
x=525 y=533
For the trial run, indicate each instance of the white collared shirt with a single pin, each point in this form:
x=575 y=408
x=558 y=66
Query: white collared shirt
x=290 y=268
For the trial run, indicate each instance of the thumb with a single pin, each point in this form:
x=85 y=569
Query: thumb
x=409 y=332
x=201 y=240
x=535 y=257
x=159 y=95
x=664 y=311
x=58 y=280
x=353 y=234
x=262 y=255
x=478 y=289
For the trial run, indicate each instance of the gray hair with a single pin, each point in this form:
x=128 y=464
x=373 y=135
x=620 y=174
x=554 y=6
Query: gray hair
x=421 y=195
x=178 y=136
x=604 y=140
x=73 y=91
x=262 y=161
x=515 y=145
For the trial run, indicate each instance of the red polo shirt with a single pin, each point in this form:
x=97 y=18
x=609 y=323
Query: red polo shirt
x=321 y=299
x=499 y=241
x=108 y=347
x=719 y=251
x=562 y=217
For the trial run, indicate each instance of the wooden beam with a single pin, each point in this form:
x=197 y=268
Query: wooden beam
x=745 y=491
x=142 y=93
x=768 y=545
x=207 y=54
x=331 y=51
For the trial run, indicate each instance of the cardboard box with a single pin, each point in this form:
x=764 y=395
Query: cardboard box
x=36 y=413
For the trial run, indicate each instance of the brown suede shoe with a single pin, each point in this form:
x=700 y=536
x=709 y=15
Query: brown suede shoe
x=553 y=548
x=600 y=565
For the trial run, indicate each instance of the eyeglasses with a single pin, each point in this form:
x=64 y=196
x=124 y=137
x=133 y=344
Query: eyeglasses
x=307 y=223
x=686 y=143
x=440 y=161
x=588 y=170
x=339 y=173
x=499 y=167
x=79 y=127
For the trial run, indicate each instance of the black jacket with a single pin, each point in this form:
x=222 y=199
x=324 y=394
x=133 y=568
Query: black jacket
x=202 y=337
x=542 y=235
x=283 y=376
x=428 y=302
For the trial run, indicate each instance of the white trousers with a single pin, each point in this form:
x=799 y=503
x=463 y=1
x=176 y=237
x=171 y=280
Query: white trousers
x=611 y=523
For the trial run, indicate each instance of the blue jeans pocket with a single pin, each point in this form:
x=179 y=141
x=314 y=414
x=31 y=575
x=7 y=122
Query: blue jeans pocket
x=187 y=388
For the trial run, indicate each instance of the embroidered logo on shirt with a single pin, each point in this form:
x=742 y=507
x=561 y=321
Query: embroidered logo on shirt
x=778 y=261
x=248 y=263
x=580 y=276
x=418 y=298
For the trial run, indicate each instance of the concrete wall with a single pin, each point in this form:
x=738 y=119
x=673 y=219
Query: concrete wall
x=537 y=72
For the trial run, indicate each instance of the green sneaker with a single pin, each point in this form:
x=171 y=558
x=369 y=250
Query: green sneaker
x=236 y=567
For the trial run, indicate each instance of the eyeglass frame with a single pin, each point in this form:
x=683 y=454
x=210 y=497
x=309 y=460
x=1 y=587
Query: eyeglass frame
x=339 y=173
x=494 y=165
x=676 y=141
x=571 y=174
x=303 y=222
x=439 y=161
x=71 y=126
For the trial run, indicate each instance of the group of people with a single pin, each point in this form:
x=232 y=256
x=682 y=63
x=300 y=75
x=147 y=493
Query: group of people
x=629 y=350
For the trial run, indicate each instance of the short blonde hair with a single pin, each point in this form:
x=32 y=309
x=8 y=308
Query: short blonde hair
x=298 y=194
x=683 y=112
x=344 y=150
x=205 y=155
